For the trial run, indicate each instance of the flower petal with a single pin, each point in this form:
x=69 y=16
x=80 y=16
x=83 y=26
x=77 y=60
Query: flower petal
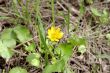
x=54 y=34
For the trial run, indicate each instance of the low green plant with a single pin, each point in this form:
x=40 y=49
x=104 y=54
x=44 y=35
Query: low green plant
x=34 y=59
x=54 y=53
x=103 y=17
x=108 y=38
x=18 y=70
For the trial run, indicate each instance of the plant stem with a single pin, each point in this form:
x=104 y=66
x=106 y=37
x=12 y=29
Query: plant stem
x=53 y=12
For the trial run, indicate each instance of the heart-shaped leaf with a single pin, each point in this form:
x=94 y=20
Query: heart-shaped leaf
x=57 y=67
x=66 y=49
x=7 y=34
x=4 y=51
x=10 y=43
x=22 y=33
x=8 y=38
x=18 y=70
x=33 y=59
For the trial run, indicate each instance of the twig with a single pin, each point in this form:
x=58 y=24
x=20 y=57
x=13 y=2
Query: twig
x=26 y=42
x=79 y=65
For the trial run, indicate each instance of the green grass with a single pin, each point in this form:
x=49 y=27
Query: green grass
x=85 y=44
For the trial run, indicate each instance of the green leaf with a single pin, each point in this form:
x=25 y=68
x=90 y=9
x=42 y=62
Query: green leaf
x=57 y=67
x=66 y=49
x=68 y=70
x=82 y=7
x=76 y=41
x=8 y=38
x=7 y=34
x=18 y=70
x=4 y=51
x=41 y=33
x=31 y=47
x=33 y=59
x=10 y=43
x=40 y=26
x=105 y=17
x=82 y=49
x=108 y=36
x=105 y=13
x=95 y=12
x=22 y=33
x=15 y=2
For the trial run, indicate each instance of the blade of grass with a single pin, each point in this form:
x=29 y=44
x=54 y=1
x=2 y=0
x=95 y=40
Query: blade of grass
x=67 y=21
x=14 y=6
x=41 y=30
x=53 y=12
x=27 y=14
x=3 y=17
x=39 y=22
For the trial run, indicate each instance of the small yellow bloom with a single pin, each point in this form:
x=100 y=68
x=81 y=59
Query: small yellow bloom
x=55 y=34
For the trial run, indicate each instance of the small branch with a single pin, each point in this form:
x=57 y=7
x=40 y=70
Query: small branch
x=25 y=42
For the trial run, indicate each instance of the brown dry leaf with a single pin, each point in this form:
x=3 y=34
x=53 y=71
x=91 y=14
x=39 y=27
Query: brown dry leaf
x=1 y=1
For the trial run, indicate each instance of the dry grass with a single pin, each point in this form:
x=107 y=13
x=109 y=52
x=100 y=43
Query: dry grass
x=97 y=57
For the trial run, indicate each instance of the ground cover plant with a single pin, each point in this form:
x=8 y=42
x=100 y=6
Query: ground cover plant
x=54 y=36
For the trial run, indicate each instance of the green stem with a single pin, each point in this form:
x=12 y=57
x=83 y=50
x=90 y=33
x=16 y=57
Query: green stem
x=28 y=16
x=68 y=20
x=41 y=32
x=53 y=12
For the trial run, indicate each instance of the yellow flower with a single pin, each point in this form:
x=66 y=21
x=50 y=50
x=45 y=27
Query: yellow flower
x=55 y=34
